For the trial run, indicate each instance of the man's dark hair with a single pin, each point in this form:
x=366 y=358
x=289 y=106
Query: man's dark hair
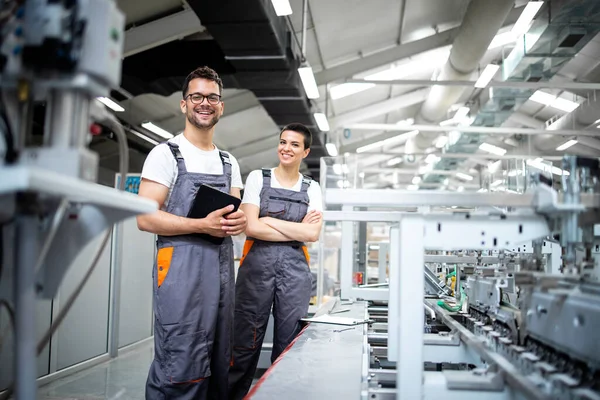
x=301 y=129
x=204 y=73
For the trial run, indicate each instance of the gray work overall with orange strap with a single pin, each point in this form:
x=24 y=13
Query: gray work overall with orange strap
x=271 y=274
x=193 y=302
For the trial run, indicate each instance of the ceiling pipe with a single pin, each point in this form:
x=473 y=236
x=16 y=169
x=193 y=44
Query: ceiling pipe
x=481 y=23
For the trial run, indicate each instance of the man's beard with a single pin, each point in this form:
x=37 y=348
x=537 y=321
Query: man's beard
x=191 y=116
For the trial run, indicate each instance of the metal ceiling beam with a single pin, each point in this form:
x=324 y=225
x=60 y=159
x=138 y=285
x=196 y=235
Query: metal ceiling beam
x=568 y=85
x=386 y=57
x=161 y=31
x=377 y=109
x=470 y=129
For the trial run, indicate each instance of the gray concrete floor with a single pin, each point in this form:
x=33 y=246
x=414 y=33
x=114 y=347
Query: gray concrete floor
x=123 y=378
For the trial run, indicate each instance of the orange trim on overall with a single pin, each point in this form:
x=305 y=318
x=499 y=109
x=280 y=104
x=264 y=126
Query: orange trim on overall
x=247 y=246
x=187 y=382
x=163 y=261
x=305 y=250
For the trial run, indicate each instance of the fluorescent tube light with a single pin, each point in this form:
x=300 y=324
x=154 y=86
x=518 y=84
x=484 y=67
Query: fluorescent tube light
x=347 y=89
x=502 y=39
x=412 y=187
x=564 y=104
x=322 y=122
x=309 y=82
x=159 y=131
x=337 y=169
x=490 y=148
x=460 y=189
x=566 y=145
x=551 y=100
x=432 y=158
x=487 y=75
x=528 y=14
x=416 y=180
x=282 y=7
x=391 y=140
x=331 y=149
x=464 y=176
x=441 y=141
x=110 y=104
x=538 y=163
x=141 y=136
x=394 y=161
x=497 y=182
x=461 y=113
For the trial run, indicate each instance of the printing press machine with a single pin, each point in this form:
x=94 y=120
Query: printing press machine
x=519 y=319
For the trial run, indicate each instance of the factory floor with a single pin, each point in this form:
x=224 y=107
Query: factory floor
x=123 y=378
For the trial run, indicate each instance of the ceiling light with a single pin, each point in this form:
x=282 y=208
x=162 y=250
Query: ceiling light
x=394 y=161
x=393 y=139
x=539 y=164
x=337 y=169
x=497 y=182
x=110 y=104
x=461 y=113
x=331 y=149
x=551 y=100
x=542 y=97
x=502 y=39
x=146 y=138
x=308 y=81
x=566 y=145
x=460 y=189
x=464 y=176
x=528 y=14
x=408 y=121
x=282 y=7
x=159 y=131
x=322 y=122
x=412 y=187
x=493 y=167
x=432 y=158
x=487 y=75
x=343 y=184
x=416 y=180
x=441 y=142
x=347 y=89
x=490 y=148
x=564 y=104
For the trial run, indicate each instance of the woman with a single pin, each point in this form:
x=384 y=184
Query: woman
x=284 y=210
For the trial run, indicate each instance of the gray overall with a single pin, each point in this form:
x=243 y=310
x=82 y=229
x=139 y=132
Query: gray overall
x=193 y=302
x=271 y=274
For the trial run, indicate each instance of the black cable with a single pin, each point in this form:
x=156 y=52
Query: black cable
x=11 y=152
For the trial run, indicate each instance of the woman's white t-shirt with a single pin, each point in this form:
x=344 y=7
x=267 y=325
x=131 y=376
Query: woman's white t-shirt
x=254 y=184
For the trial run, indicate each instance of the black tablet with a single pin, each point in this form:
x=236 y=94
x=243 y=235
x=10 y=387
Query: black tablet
x=207 y=200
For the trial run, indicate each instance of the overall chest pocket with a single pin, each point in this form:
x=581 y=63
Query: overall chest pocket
x=287 y=209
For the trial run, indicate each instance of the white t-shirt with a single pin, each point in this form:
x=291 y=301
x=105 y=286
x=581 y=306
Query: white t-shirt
x=254 y=184
x=160 y=165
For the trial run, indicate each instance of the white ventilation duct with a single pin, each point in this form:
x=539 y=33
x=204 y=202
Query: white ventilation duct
x=481 y=23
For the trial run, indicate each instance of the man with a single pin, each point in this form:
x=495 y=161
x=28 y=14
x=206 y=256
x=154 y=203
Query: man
x=193 y=278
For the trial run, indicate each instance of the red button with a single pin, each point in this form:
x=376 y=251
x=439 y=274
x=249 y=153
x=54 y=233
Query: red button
x=95 y=129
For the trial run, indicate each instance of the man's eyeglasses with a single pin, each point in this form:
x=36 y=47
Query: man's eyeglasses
x=198 y=98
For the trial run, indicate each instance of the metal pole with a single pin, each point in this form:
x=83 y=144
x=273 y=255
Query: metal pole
x=321 y=270
x=304 y=24
x=24 y=287
x=115 y=290
x=507 y=84
x=467 y=129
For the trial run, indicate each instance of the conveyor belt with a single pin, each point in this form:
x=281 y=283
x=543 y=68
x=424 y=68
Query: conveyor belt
x=320 y=364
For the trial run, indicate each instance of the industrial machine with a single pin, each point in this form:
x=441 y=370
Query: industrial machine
x=497 y=299
x=63 y=54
